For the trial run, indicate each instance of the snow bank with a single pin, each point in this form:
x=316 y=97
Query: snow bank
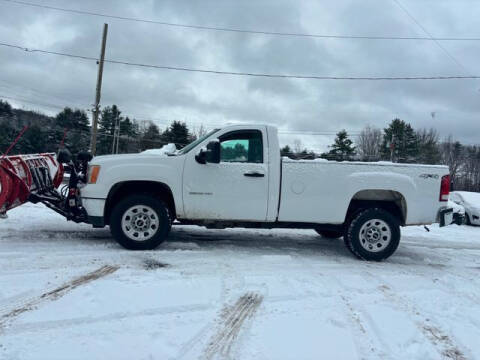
x=456 y=207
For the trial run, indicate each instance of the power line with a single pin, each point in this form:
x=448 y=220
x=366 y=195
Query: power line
x=281 y=132
x=32 y=102
x=162 y=142
x=235 y=73
x=21 y=90
x=404 y=9
x=236 y=30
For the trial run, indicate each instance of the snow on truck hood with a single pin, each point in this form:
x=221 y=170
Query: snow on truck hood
x=164 y=150
x=145 y=155
x=163 y=153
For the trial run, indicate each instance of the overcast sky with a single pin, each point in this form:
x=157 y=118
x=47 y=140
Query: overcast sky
x=213 y=100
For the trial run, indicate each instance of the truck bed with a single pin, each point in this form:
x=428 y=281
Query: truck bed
x=307 y=185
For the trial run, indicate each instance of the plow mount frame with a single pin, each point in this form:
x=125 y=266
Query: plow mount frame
x=36 y=178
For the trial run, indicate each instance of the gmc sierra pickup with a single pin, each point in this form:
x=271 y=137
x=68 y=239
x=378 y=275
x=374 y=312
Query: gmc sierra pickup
x=235 y=177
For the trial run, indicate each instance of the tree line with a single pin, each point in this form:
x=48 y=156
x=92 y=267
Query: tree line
x=401 y=143
x=70 y=128
x=398 y=142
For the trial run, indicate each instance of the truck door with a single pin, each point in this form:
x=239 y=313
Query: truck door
x=234 y=189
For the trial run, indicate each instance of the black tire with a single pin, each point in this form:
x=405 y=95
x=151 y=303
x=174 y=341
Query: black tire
x=330 y=234
x=154 y=218
x=378 y=240
x=467 y=219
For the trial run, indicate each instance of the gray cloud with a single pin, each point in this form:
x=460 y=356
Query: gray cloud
x=214 y=99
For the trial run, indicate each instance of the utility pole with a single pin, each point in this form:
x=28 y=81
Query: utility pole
x=96 y=110
x=116 y=136
x=118 y=139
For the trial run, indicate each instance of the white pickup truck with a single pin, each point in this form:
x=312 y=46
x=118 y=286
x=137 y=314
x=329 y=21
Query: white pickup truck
x=235 y=177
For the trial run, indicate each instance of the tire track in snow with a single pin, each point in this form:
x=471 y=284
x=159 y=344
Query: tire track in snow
x=370 y=346
x=437 y=337
x=31 y=303
x=450 y=245
x=436 y=271
x=221 y=343
x=59 y=324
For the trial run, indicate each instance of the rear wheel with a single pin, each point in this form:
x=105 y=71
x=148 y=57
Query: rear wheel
x=330 y=234
x=373 y=234
x=140 y=222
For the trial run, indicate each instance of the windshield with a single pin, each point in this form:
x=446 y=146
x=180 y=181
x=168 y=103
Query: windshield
x=196 y=142
x=190 y=146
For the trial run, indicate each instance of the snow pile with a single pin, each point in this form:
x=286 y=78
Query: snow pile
x=164 y=150
x=457 y=209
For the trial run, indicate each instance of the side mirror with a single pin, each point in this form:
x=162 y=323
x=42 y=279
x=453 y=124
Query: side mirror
x=211 y=155
x=213 y=152
x=64 y=156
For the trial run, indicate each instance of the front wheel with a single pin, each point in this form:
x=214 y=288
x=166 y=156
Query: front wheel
x=373 y=234
x=140 y=222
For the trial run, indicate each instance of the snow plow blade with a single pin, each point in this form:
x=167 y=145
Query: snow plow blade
x=26 y=177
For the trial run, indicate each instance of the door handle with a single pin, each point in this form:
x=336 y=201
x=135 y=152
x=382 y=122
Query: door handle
x=254 y=174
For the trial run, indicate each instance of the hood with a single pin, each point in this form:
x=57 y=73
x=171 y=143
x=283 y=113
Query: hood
x=129 y=158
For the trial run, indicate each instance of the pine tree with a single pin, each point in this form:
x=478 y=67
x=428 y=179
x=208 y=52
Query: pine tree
x=7 y=134
x=5 y=109
x=286 y=151
x=178 y=134
x=399 y=138
x=106 y=129
x=129 y=133
x=6 y=129
x=151 y=137
x=75 y=124
x=342 y=148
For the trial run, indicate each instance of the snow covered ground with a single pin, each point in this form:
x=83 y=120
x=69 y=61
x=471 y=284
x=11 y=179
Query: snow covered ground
x=68 y=291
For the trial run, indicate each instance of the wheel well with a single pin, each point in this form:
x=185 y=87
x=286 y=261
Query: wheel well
x=390 y=200
x=123 y=189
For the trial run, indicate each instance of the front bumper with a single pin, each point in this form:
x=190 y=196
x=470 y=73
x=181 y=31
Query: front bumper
x=94 y=207
x=445 y=216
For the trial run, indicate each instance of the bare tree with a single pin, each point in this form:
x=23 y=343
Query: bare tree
x=199 y=132
x=469 y=178
x=427 y=142
x=297 y=146
x=451 y=154
x=368 y=143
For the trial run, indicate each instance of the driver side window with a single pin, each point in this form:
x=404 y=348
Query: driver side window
x=244 y=146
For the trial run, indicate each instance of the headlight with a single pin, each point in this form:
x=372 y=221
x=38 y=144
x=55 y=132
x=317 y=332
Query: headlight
x=93 y=172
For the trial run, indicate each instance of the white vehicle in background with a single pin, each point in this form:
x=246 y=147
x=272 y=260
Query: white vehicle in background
x=470 y=202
